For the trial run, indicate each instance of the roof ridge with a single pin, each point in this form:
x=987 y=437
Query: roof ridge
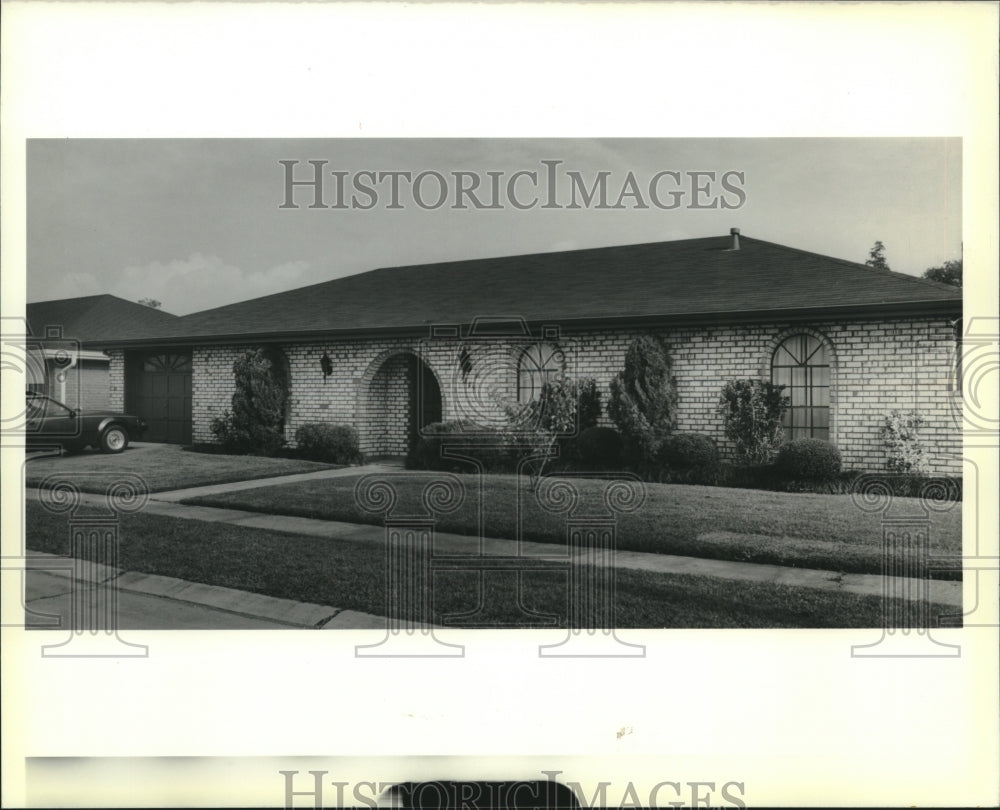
x=388 y=267
x=856 y=265
x=159 y=312
x=70 y=298
x=594 y=249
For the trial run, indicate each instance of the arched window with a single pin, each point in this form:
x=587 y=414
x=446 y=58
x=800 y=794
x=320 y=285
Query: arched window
x=167 y=362
x=801 y=364
x=536 y=365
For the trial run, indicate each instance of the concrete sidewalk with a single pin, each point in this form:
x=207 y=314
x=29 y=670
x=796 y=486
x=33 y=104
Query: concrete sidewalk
x=238 y=486
x=940 y=592
x=150 y=602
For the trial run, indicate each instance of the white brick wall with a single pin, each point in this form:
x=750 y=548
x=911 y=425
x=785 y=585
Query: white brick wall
x=877 y=366
x=116 y=379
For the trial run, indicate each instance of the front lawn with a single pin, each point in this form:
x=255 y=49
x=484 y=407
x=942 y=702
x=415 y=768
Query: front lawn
x=162 y=466
x=804 y=530
x=351 y=575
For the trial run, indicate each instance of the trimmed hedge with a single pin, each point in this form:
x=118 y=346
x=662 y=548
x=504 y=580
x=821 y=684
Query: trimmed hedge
x=898 y=485
x=688 y=451
x=325 y=441
x=487 y=446
x=598 y=446
x=808 y=459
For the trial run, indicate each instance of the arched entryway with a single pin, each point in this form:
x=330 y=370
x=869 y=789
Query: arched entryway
x=401 y=395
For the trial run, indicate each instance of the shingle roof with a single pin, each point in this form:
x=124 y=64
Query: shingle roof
x=96 y=318
x=681 y=279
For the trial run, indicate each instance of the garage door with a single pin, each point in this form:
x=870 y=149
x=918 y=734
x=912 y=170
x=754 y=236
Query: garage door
x=159 y=391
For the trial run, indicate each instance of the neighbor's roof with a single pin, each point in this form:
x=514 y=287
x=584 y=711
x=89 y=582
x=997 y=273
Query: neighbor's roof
x=96 y=318
x=701 y=279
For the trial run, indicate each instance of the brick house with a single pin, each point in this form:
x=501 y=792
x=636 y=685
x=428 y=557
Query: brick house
x=58 y=363
x=395 y=348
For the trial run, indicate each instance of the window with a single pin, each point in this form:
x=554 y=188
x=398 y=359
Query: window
x=537 y=365
x=167 y=362
x=802 y=365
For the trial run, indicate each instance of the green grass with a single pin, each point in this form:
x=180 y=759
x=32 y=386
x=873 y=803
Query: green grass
x=802 y=530
x=162 y=467
x=352 y=574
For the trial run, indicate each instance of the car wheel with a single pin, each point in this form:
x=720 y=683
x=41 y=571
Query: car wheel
x=114 y=440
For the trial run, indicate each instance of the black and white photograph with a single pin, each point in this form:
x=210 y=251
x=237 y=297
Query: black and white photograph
x=594 y=396
x=645 y=383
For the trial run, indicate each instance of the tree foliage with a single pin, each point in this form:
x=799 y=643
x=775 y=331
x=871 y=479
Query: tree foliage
x=876 y=257
x=948 y=273
x=564 y=408
x=751 y=411
x=643 y=401
x=256 y=423
x=150 y=302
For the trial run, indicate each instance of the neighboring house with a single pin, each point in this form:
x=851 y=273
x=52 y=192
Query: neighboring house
x=61 y=367
x=392 y=349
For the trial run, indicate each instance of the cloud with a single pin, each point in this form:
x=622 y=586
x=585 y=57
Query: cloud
x=69 y=285
x=202 y=282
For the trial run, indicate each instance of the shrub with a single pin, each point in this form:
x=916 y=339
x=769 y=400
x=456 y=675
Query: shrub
x=751 y=411
x=808 y=459
x=588 y=403
x=550 y=422
x=324 y=441
x=487 y=446
x=689 y=451
x=643 y=403
x=598 y=446
x=904 y=449
x=256 y=423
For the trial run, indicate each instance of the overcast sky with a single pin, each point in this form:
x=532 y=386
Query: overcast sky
x=197 y=223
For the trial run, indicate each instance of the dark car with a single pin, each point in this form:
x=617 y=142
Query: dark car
x=49 y=422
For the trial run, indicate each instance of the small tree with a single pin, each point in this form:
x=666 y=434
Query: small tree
x=589 y=403
x=948 y=273
x=256 y=423
x=751 y=411
x=561 y=408
x=876 y=257
x=150 y=302
x=643 y=401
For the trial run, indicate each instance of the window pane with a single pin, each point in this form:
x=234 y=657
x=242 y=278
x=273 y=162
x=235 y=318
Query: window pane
x=783 y=357
x=799 y=417
x=799 y=396
x=821 y=396
x=820 y=375
x=781 y=376
x=821 y=417
x=798 y=376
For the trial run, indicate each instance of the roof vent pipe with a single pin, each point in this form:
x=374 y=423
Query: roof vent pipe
x=735 y=233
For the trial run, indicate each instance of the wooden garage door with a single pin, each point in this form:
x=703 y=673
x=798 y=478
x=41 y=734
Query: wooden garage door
x=160 y=393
